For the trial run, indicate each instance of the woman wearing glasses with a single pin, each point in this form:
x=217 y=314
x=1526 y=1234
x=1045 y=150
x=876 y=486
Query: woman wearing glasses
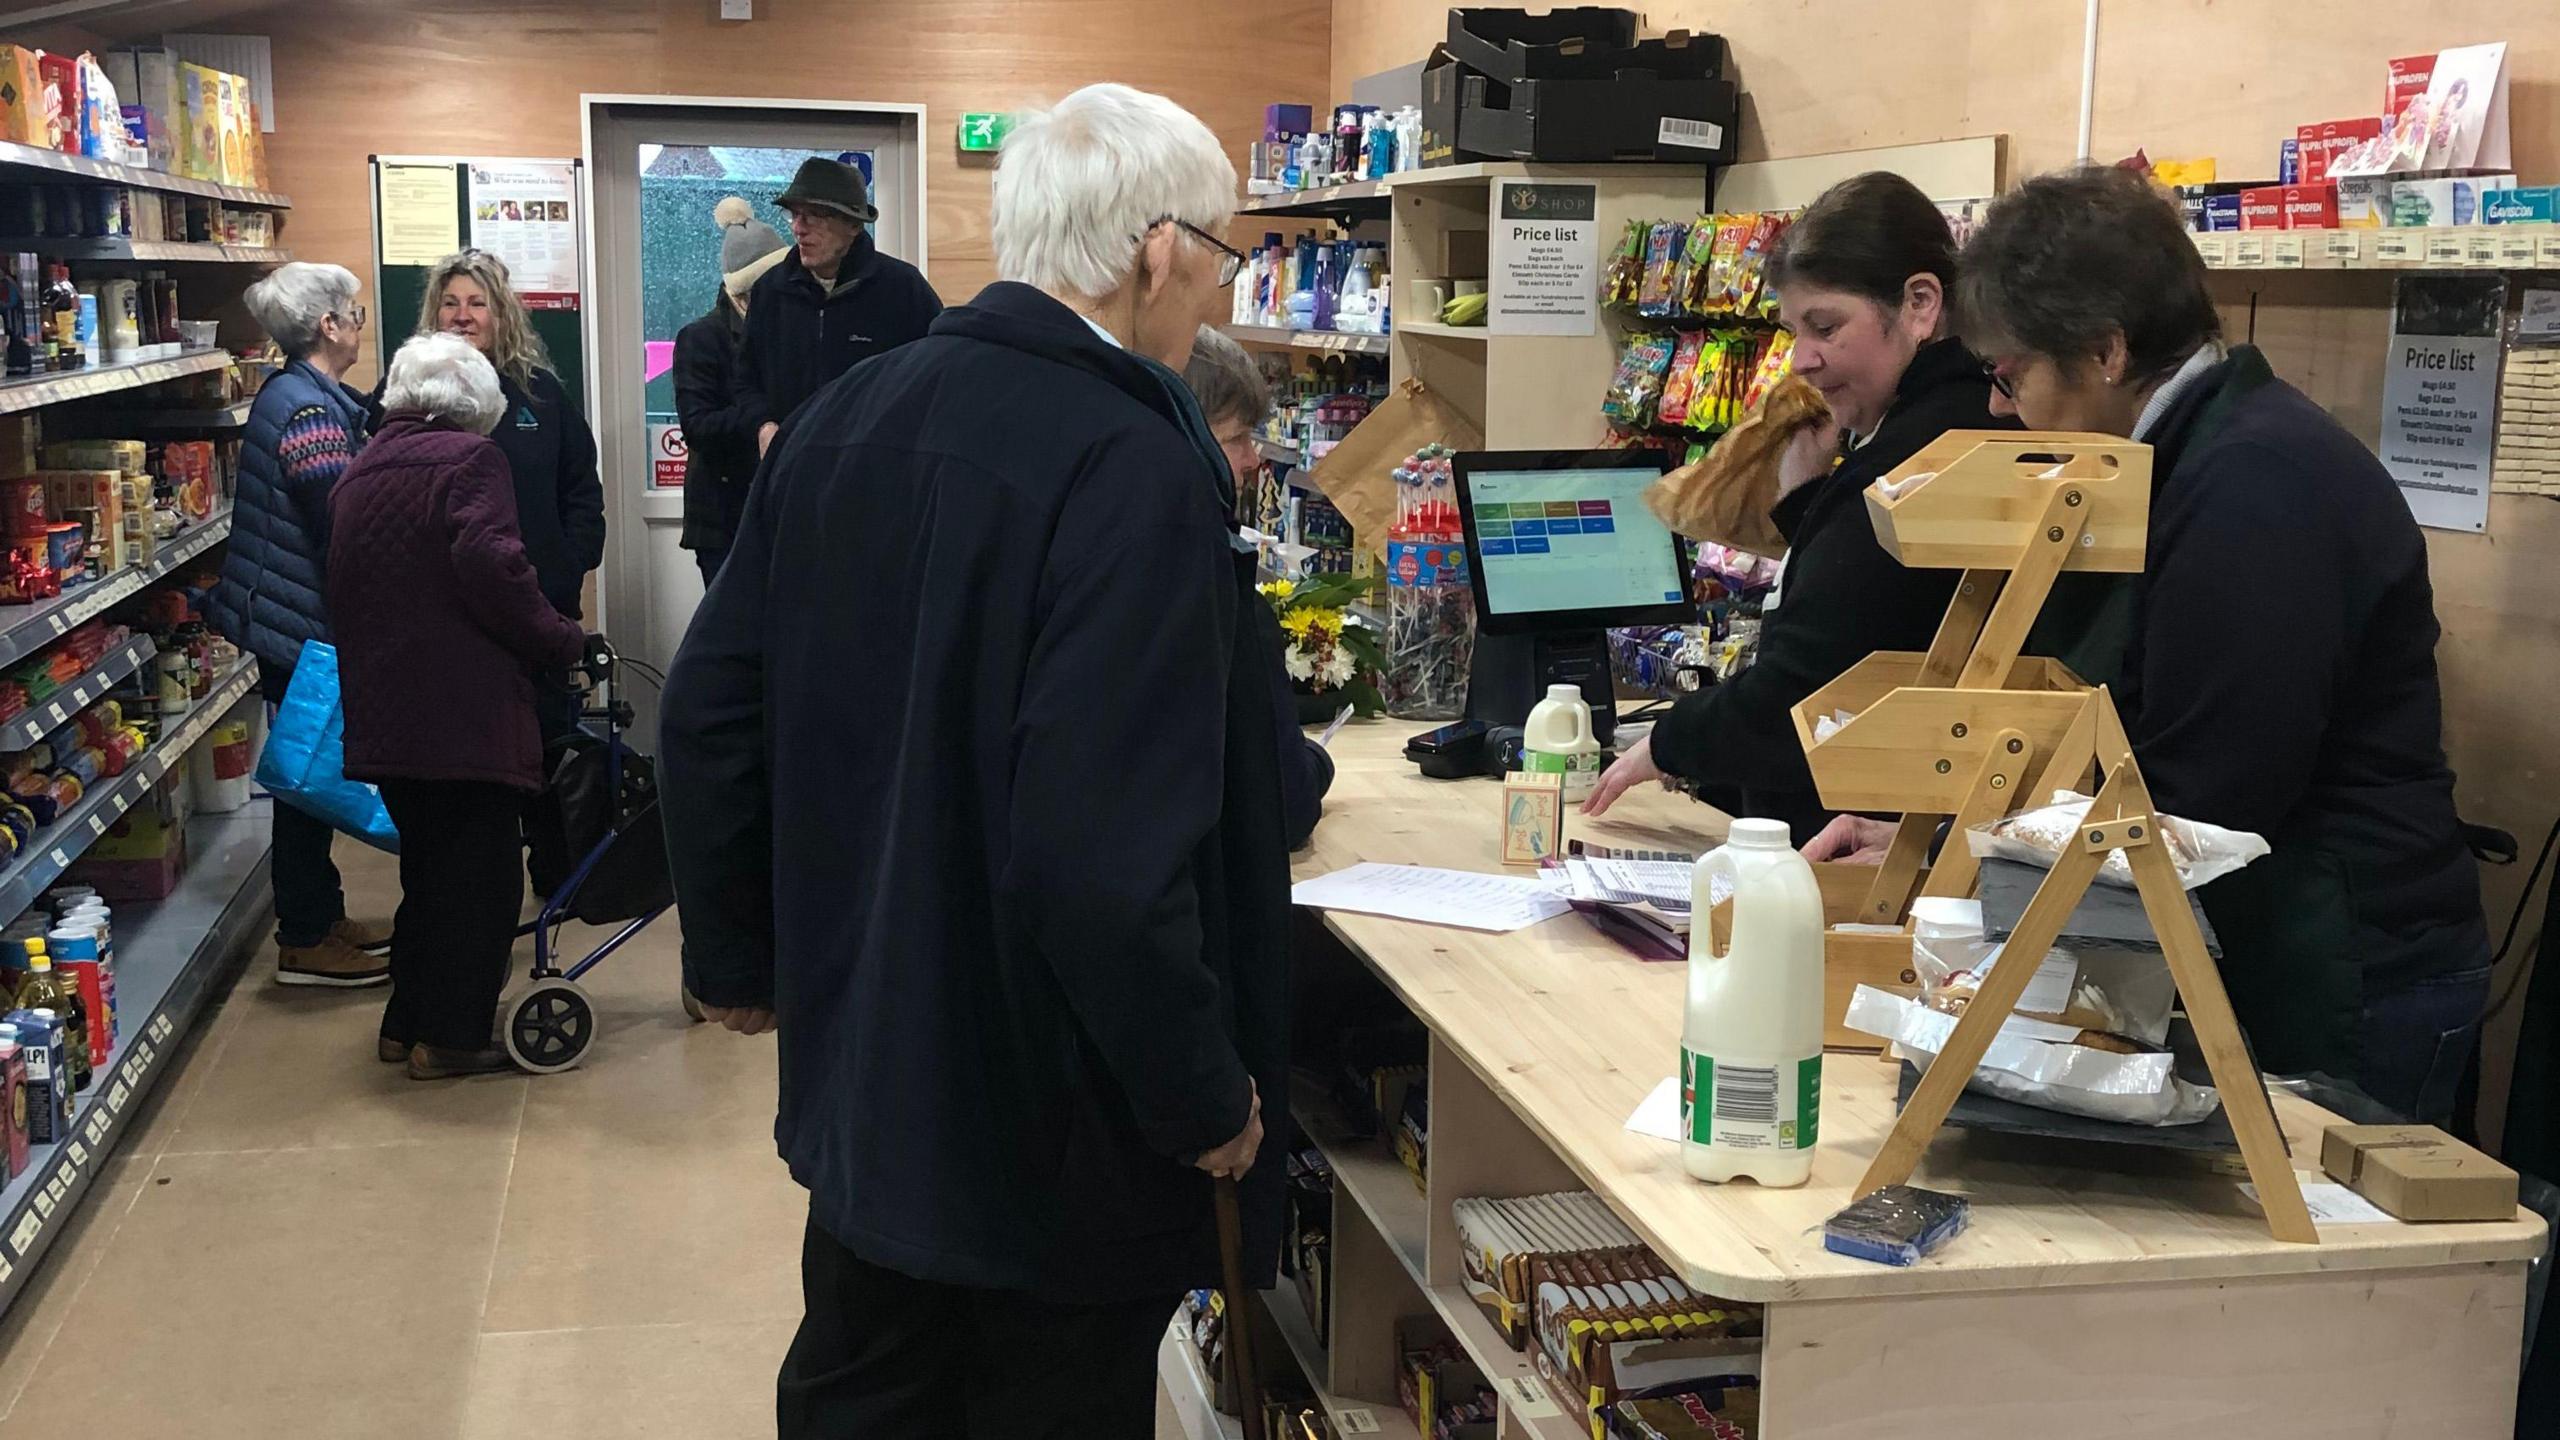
x=1863 y=279
x=2275 y=660
x=303 y=432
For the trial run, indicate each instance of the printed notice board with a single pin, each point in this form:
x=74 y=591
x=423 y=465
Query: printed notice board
x=532 y=221
x=1545 y=259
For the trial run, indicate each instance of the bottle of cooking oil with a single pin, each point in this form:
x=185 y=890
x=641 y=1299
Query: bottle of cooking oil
x=45 y=988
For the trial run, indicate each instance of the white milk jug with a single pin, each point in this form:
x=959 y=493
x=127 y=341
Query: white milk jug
x=1558 y=741
x=1751 y=1050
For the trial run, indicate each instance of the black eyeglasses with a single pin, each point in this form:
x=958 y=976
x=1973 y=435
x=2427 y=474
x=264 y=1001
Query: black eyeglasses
x=1230 y=259
x=1999 y=382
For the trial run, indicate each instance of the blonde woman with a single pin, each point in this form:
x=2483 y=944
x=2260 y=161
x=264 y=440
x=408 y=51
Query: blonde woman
x=548 y=445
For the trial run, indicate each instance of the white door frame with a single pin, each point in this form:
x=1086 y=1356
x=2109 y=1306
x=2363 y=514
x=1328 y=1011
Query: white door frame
x=590 y=107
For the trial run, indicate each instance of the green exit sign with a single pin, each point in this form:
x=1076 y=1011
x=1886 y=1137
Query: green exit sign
x=983 y=132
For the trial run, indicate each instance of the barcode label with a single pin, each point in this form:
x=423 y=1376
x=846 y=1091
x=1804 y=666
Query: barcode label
x=1356 y=1421
x=1750 y=1107
x=1690 y=134
x=1747 y=1094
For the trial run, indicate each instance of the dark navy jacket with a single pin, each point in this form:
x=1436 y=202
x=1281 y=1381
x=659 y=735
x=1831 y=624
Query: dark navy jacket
x=559 y=500
x=272 y=594
x=970 y=768
x=801 y=334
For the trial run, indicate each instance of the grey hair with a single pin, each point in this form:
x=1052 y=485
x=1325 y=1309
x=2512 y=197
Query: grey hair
x=1228 y=385
x=295 y=297
x=1078 y=187
x=442 y=376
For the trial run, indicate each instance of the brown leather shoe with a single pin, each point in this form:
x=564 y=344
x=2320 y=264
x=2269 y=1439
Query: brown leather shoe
x=434 y=1062
x=389 y=1051
x=332 y=962
x=372 y=935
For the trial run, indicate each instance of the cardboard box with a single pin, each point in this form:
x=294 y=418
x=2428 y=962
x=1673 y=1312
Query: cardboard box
x=123 y=456
x=200 y=92
x=1443 y=92
x=1532 y=818
x=2524 y=205
x=21 y=96
x=1583 y=42
x=18 y=433
x=1633 y=117
x=156 y=71
x=2310 y=207
x=2418 y=1172
x=2222 y=212
x=2408 y=81
x=2364 y=201
x=2262 y=208
x=231 y=107
x=2324 y=142
x=2448 y=200
x=61 y=75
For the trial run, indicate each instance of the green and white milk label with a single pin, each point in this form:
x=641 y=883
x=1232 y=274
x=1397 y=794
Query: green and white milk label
x=1750 y=1107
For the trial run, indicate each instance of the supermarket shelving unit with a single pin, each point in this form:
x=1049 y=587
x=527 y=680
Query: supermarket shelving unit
x=170 y=953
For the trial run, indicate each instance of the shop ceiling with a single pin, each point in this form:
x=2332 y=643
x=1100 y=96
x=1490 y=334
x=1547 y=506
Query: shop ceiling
x=127 y=19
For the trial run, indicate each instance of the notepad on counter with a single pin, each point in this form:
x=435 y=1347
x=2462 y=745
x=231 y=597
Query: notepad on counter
x=1463 y=899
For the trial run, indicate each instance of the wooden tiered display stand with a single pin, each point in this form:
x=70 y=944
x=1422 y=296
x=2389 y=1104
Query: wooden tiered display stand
x=1957 y=732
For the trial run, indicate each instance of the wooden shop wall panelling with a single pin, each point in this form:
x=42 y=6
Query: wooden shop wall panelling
x=472 y=77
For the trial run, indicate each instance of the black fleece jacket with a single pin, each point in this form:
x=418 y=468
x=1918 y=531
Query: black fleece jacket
x=1842 y=599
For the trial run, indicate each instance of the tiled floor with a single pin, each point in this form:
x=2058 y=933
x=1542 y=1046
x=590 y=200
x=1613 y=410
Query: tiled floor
x=297 y=1240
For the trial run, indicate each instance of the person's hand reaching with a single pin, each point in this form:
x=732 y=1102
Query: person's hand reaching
x=1808 y=457
x=1851 y=840
x=1624 y=774
x=1231 y=1160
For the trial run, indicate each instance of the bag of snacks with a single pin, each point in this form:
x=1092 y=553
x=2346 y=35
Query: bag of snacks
x=1682 y=381
x=1638 y=382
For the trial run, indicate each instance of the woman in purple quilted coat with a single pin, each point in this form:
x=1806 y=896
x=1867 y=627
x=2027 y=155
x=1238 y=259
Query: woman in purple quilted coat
x=441 y=627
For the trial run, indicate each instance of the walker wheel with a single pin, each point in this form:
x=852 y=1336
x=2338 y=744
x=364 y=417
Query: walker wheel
x=549 y=1025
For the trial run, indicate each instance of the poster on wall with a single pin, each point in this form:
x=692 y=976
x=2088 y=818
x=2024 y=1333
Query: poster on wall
x=2440 y=396
x=1545 y=259
x=419 y=206
x=523 y=211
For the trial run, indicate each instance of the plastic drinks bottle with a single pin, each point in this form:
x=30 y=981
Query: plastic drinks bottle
x=1558 y=741
x=1751 y=1051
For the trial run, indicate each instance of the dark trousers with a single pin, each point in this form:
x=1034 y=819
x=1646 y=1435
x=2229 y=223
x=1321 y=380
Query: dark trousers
x=2415 y=1043
x=708 y=560
x=461 y=890
x=882 y=1355
x=310 y=899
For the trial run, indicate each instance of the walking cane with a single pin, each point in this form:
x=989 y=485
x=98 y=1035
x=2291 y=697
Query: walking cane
x=1248 y=1381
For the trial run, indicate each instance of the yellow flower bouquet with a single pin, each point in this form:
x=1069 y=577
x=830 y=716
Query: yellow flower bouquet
x=1330 y=652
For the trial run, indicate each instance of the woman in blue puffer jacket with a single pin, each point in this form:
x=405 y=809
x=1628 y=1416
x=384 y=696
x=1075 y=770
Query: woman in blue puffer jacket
x=303 y=432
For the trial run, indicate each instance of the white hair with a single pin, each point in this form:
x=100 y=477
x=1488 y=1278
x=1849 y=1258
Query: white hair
x=443 y=376
x=1077 y=187
x=295 y=297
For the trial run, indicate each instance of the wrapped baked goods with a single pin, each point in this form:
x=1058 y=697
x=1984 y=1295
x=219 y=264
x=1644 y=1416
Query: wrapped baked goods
x=1727 y=496
x=2202 y=853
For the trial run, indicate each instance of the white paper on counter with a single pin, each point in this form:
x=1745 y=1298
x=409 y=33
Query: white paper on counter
x=1463 y=899
x=2331 y=1203
x=1659 y=1114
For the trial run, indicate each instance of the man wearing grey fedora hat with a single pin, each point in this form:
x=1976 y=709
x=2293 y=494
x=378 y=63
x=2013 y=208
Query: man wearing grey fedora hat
x=832 y=302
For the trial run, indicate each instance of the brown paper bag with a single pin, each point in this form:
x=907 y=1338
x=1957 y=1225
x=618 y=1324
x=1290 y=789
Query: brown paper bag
x=1727 y=496
x=1358 y=474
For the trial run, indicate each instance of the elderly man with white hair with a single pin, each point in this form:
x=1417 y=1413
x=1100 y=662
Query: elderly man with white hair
x=304 y=430
x=971 y=792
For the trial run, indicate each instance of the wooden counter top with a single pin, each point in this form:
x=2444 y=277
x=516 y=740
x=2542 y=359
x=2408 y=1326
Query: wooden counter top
x=1571 y=1031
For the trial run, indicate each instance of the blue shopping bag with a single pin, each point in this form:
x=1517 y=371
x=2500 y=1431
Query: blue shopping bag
x=305 y=764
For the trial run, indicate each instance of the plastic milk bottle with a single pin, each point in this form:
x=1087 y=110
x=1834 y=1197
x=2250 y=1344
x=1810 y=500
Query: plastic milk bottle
x=1751 y=1051
x=1558 y=741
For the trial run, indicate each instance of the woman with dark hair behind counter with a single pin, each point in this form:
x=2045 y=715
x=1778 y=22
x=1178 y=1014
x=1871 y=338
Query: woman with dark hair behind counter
x=2274 y=662
x=1863 y=279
